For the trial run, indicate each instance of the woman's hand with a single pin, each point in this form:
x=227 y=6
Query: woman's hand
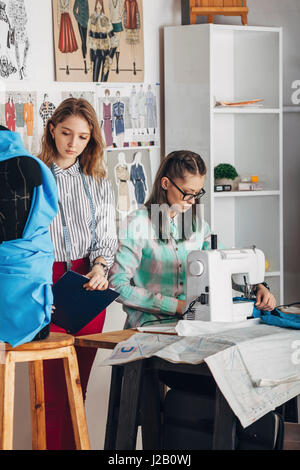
x=264 y=299
x=97 y=281
x=180 y=307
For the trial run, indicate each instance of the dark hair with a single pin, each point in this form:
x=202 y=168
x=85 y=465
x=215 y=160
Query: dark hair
x=101 y=3
x=176 y=165
x=92 y=158
x=2 y=128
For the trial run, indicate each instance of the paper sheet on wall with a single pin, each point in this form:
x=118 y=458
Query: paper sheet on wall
x=256 y=367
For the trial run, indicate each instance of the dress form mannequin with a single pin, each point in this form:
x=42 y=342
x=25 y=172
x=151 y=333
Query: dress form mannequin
x=18 y=178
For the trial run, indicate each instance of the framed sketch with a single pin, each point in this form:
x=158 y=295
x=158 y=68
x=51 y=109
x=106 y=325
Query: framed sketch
x=98 y=40
x=130 y=174
x=129 y=114
x=18 y=114
x=14 y=39
x=86 y=95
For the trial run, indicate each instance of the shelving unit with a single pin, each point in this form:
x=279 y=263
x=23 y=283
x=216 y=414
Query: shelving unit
x=205 y=63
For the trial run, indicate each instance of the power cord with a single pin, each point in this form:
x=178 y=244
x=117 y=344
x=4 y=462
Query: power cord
x=177 y=315
x=191 y=308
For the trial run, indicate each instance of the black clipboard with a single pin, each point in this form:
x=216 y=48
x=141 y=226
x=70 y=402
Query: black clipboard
x=75 y=306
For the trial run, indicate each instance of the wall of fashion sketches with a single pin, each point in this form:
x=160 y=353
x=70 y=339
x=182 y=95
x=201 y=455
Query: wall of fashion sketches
x=40 y=66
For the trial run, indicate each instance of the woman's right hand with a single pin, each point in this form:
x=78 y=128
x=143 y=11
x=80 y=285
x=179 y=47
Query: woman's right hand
x=180 y=306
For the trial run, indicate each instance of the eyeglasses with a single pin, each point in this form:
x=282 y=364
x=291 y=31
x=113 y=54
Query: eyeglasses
x=187 y=196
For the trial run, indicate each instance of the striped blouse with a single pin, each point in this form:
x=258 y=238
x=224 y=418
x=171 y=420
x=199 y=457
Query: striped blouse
x=149 y=275
x=77 y=212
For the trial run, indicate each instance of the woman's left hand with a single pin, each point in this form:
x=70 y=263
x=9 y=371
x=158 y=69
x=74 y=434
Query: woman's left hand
x=97 y=279
x=264 y=299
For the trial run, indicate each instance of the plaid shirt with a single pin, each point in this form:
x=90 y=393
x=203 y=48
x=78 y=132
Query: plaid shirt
x=148 y=274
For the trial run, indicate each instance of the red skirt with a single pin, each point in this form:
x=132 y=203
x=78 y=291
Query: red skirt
x=59 y=429
x=67 y=40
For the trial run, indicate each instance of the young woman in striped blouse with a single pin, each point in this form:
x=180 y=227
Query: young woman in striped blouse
x=83 y=235
x=150 y=266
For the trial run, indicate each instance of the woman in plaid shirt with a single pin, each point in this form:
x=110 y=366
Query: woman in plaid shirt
x=149 y=269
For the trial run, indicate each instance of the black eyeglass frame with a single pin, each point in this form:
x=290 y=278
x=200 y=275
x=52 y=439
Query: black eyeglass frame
x=190 y=196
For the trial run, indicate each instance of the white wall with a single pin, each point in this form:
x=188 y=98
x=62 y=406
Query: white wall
x=157 y=13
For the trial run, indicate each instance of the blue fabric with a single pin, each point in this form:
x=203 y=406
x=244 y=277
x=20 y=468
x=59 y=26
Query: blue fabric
x=26 y=263
x=275 y=317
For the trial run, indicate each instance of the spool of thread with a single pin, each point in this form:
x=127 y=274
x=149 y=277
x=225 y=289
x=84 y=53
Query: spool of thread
x=214 y=242
x=266 y=265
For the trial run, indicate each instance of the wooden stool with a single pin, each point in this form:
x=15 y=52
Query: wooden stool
x=210 y=8
x=56 y=346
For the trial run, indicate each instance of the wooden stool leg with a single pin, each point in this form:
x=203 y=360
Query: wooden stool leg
x=7 y=392
x=38 y=421
x=76 y=401
x=2 y=374
x=244 y=19
x=210 y=18
x=193 y=18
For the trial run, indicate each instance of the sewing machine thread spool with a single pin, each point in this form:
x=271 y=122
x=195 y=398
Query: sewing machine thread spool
x=214 y=241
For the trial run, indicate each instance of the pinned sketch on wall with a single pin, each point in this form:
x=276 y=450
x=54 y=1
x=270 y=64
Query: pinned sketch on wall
x=18 y=114
x=14 y=40
x=116 y=10
x=46 y=109
x=130 y=173
x=138 y=178
x=129 y=114
x=102 y=43
x=122 y=179
x=132 y=28
x=86 y=95
x=118 y=119
x=98 y=40
x=47 y=101
x=7 y=67
x=67 y=43
x=105 y=117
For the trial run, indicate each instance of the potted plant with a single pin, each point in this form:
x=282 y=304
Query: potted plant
x=225 y=173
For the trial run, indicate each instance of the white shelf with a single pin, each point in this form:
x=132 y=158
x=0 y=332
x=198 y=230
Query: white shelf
x=272 y=274
x=245 y=110
x=208 y=62
x=246 y=193
x=251 y=29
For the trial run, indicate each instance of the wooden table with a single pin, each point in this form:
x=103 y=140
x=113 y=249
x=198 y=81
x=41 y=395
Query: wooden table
x=135 y=398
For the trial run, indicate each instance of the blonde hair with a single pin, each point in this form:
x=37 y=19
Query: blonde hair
x=92 y=158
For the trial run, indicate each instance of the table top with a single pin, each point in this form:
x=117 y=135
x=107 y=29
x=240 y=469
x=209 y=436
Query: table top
x=104 y=340
x=110 y=339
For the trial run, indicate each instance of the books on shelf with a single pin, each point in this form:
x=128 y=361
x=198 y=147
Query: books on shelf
x=248 y=103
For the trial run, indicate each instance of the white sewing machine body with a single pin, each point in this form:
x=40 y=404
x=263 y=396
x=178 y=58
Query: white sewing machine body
x=209 y=278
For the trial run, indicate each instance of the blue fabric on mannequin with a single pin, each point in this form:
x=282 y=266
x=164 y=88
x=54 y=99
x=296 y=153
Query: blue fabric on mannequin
x=26 y=263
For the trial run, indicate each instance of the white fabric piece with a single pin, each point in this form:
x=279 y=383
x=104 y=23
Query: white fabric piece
x=256 y=366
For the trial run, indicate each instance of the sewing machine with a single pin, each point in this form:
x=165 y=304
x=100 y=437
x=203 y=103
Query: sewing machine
x=211 y=277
